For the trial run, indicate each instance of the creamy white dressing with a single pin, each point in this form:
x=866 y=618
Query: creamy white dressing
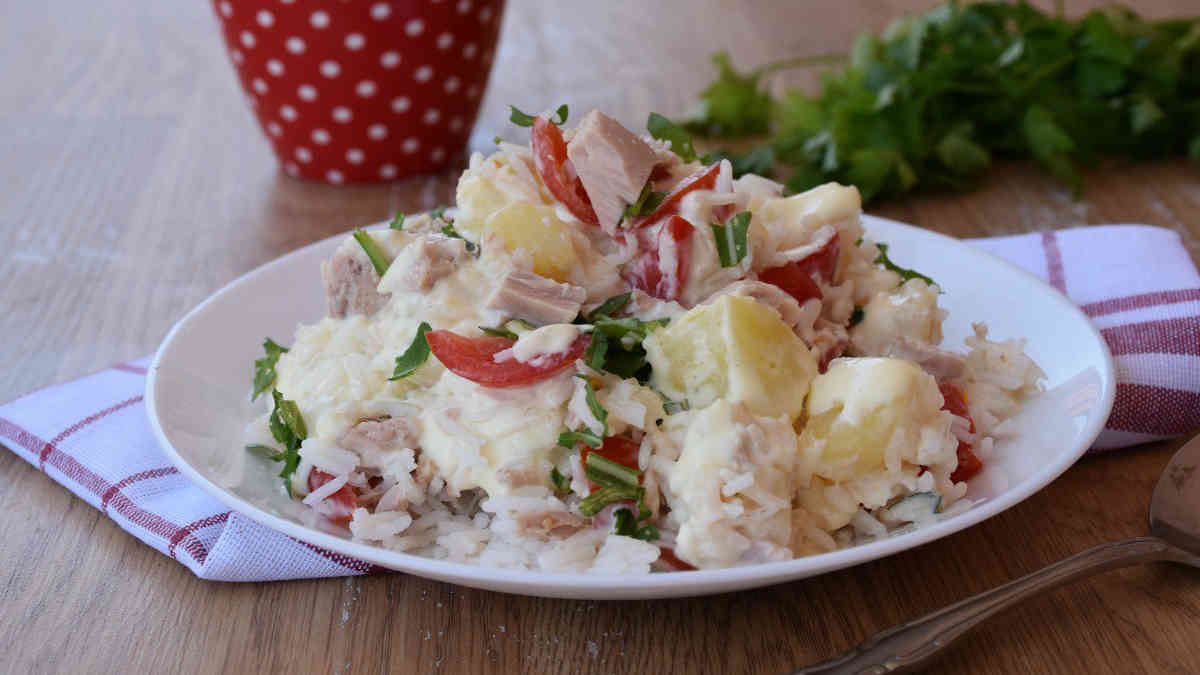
x=537 y=345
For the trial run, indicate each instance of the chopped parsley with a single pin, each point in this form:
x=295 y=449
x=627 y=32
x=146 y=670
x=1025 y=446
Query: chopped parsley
x=665 y=130
x=568 y=439
x=413 y=357
x=731 y=239
x=287 y=427
x=265 y=451
x=526 y=120
x=625 y=524
x=397 y=221
x=598 y=499
x=856 y=316
x=449 y=231
x=584 y=434
x=609 y=307
x=376 y=254
x=264 y=368
x=498 y=332
x=562 y=484
x=904 y=272
x=607 y=473
x=616 y=345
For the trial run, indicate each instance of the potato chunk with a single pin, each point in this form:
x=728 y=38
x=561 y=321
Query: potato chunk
x=536 y=229
x=736 y=349
x=477 y=198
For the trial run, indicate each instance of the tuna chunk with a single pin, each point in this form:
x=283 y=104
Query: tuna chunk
x=939 y=363
x=546 y=523
x=542 y=301
x=422 y=263
x=374 y=436
x=350 y=283
x=613 y=164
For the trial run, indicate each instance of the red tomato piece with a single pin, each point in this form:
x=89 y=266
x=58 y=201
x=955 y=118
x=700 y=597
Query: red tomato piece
x=474 y=359
x=620 y=450
x=667 y=555
x=645 y=270
x=550 y=160
x=956 y=402
x=705 y=179
x=339 y=506
x=796 y=278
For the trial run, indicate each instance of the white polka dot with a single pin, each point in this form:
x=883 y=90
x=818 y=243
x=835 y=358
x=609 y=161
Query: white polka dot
x=473 y=91
x=470 y=50
x=411 y=145
x=432 y=116
x=247 y=39
x=265 y=18
x=330 y=68
x=288 y=113
x=355 y=41
x=303 y=154
x=423 y=74
x=319 y=19
x=445 y=40
x=401 y=104
x=381 y=11
x=485 y=14
x=226 y=9
x=463 y=6
x=452 y=84
x=258 y=85
x=438 y=154
x=274 y=129
x=342 y=114
x=275 y=67
x=236 y=55
x=354 y=156
x=387 y=171
x=365 y=89
x=294 y=45
x=456 y=124
x=414 y=27
x=377 y=132
x=287 y=2
x=389 y=59
x=292 y=169
x=320 y=137
x=307 y=92
x=334 y=176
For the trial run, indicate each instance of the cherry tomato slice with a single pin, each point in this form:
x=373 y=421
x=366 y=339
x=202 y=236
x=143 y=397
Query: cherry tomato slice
x=339 y=505
x=474 y=359
x=550 y=160
x=956 y=402
x=796 y=278
x=645 y=270
x=667 y=555
x=705 y=179
x=968 y=464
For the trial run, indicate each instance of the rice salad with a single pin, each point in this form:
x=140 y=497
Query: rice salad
x=615 y=356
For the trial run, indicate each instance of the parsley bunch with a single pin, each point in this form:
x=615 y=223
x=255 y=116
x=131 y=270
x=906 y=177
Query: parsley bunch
x=930 y=101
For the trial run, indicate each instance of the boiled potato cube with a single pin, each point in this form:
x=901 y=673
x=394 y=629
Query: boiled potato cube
x=870 y=415
x=536 y=229
x=792 y=220
x=736 y=349
x=477 y=198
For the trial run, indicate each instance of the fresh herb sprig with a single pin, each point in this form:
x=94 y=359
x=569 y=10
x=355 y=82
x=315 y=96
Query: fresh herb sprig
x=732 y=244
x=522 y=119
x=930 y=101
x=288 y=429
x=413 y=357
x=665 y=130
x=647 y=200
x=375 y=254
x=584 y=434
x=264 y=368
x=904 y=272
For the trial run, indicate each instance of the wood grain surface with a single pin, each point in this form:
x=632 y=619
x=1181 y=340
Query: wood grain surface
x=135 y=183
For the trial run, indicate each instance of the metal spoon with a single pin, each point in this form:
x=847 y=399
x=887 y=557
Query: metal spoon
x=1175 y=536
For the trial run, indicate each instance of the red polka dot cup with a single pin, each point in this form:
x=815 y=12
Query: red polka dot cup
x=363 y=91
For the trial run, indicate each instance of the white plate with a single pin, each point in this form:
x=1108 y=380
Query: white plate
x=196 y=396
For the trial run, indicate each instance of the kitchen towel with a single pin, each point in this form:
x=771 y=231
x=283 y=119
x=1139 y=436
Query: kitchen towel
x=1137 y=283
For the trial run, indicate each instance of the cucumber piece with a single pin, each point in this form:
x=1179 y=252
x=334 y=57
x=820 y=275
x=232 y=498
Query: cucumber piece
x=916 y=508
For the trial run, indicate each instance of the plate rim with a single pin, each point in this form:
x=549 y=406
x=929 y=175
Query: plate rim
x=615 y=586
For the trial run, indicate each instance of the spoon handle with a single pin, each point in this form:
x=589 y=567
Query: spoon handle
x=917 y=643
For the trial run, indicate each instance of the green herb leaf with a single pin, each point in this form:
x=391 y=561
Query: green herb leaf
x=413 y=357
x=378 y=258
x=624 y=523
x=526 y=120
x=733 y=105
x=562 y=484
x=265 y=451
x=287 y=427
x=397 y=221
x=439 y=213
x=449 y=231
x=264 y=368
x=760 y=160
x=609 y=307
x=856 y=316
x=596 y=501
x=596 y=351
x=665 y=130
x=904 y=272
x=645 y=204
x=568 y=439
x=603 y=471
x=647 y=532
x=731 y=239
x=594 y=406
x=498 y=332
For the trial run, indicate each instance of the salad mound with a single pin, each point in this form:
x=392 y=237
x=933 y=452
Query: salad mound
x=614 y=356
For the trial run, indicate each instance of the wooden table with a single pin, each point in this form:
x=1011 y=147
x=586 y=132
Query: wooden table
x=136 y=183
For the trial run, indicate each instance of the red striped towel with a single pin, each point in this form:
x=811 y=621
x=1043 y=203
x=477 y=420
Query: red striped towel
x=1137 y=283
